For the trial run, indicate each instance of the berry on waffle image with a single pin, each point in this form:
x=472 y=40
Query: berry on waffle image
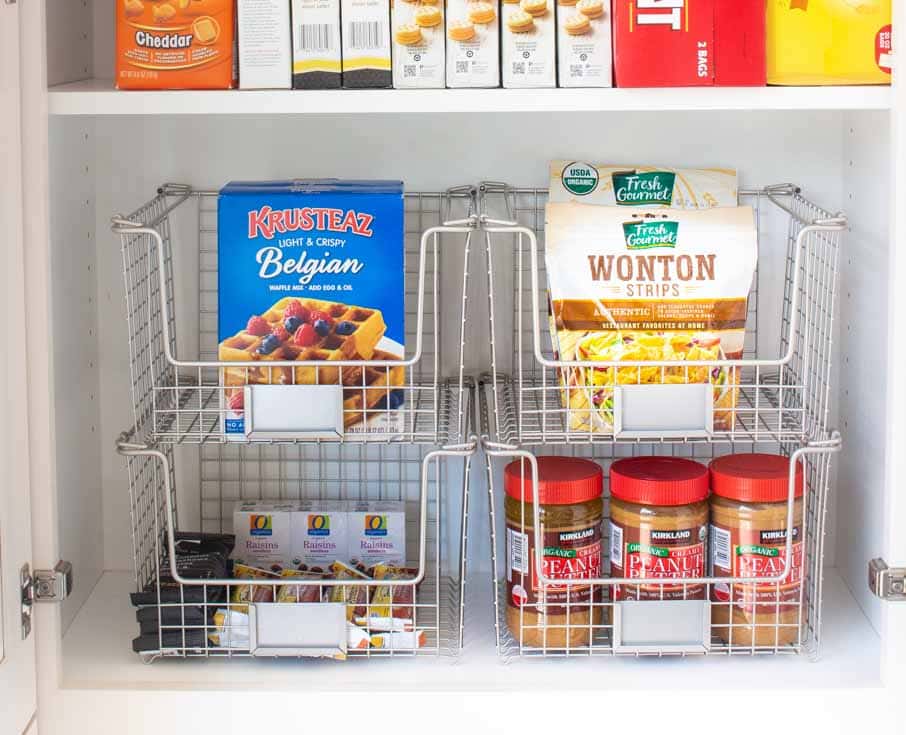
x=304 y=330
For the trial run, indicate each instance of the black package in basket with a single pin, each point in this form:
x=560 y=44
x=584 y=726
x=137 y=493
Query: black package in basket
x=198 y=556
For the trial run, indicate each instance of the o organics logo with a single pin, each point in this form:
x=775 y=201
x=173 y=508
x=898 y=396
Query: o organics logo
x=375 y=525
x=632 y=189
x=318 y=525
x=647 y=235
x=580 y=178
x=260 y=525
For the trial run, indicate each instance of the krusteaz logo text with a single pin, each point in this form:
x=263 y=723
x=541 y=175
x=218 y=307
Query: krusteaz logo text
x=580 y=178
x=631 y=189
x=647 y=235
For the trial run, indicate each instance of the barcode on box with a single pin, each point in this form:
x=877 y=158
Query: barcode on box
x=409 y=70
x=462 y=67
x=315 y=37
x=576 y=70
x=517 y=543
x=365 y=35
x=519 y=67
x=616 y=545
x=720 y=548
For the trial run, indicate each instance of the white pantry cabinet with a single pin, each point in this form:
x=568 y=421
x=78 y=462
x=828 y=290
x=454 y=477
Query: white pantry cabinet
x=75 y=153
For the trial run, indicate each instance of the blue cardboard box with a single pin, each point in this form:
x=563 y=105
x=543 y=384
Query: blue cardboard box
x=311 y=270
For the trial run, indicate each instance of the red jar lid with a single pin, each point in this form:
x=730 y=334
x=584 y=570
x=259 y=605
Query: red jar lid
x=755 y=478
x=561 y=480
x=658 y=480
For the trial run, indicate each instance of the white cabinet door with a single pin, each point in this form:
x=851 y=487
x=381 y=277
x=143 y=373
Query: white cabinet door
x=17 y=655
x=894 y=540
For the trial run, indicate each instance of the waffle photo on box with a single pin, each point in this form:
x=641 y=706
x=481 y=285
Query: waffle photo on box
x=313 y=271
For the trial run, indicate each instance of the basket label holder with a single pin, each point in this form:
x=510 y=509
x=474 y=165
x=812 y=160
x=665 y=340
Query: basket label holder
x=651 y=410
x=302 y=629
x=287 y=412
x=662 y=626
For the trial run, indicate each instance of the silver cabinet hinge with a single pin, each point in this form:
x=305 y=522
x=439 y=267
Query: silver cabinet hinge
x=42 y=585
x=888 y=583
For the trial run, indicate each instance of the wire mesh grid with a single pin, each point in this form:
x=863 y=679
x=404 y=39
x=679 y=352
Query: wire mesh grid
x=762 y=394
x=202 y=618
x=391 y=397
x=579 y=618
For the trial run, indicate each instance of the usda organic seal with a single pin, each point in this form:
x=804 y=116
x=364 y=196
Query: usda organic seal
x=580 y=178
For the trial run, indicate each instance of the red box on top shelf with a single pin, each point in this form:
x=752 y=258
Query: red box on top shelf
x=689 y=43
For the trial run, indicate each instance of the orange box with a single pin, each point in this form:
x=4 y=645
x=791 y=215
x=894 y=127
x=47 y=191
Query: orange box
x=175 y=44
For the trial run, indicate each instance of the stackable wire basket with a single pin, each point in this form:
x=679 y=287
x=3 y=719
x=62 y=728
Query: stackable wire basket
x=783 y=407
x=421 y=459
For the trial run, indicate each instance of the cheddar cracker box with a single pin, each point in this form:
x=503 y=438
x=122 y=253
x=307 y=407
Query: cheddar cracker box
x=698 y=43
x=312 y=272
x=175 y=44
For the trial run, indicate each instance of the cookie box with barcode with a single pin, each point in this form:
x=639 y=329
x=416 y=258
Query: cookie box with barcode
x=316 y=44
x=312 y=272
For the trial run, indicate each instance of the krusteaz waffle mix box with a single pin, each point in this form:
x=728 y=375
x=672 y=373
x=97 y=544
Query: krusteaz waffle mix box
x=313 y=270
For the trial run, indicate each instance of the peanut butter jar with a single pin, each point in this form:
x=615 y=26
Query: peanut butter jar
x=658 y=527
x=748 y=539
x=571 y=508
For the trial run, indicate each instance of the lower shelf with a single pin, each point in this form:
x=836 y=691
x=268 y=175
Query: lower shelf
x=97 y=655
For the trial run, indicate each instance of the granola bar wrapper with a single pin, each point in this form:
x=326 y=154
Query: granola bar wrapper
x=243 y=594
x=356 y=598
x=407 y=641
x=231 y=630
x=395 y=601
x=299 y=592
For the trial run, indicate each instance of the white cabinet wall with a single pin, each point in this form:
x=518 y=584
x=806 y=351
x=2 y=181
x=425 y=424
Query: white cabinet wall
x=89 y=152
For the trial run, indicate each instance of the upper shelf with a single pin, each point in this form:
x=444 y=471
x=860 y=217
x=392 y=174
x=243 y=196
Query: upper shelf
x=98 y=97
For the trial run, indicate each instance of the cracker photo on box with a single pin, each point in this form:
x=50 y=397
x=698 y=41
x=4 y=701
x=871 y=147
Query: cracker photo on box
x=312 y=271
x=418 y=44
x=584 y=43
x=473 y=43
x=529 y=43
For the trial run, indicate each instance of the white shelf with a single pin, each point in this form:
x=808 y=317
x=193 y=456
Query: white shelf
x=97 y=654
x=98 y=97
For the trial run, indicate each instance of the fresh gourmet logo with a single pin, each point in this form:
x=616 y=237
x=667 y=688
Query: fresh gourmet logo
x=631 y=189
x=267 y=222
x=647 y=235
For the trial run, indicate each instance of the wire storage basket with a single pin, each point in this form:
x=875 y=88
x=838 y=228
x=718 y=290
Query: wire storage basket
x=710 y=615
x=188 y=476
x=529 y=407
x=172 y=237
x=782 y=376
x=184 y=614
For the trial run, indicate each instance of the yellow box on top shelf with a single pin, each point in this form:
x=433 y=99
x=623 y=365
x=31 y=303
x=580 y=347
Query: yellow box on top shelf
x=829 y=42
